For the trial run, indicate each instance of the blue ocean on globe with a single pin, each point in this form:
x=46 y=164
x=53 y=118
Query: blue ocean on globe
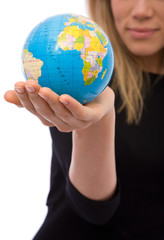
x=69 y=54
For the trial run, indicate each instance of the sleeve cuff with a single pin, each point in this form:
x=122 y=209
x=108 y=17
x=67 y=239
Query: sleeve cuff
x=92 y=211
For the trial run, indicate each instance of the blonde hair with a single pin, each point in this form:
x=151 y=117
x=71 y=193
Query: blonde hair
x=128 y=76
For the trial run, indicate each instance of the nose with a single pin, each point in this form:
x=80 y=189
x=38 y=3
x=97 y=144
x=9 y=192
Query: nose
x=142 y=9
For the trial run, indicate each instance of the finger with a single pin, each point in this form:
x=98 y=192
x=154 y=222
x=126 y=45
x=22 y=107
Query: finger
x=41 y=106
x=65 y=121
x=23 y=97
x=94 y=110
x=11 y=97
x=57 y=107
x=78 y=110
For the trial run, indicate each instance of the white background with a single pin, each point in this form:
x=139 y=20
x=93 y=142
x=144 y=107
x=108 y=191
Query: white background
x=25 y=144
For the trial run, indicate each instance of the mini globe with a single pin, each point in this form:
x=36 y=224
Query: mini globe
x=69 y=54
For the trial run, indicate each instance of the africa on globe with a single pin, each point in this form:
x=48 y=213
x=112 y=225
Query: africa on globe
x=69 y=54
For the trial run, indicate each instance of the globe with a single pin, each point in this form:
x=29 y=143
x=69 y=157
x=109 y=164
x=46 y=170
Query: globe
x=69 y=54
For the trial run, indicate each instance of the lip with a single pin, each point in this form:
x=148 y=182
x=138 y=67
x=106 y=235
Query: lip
x=141 y=33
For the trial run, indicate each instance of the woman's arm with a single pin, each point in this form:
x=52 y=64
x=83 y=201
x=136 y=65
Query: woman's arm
x=92 y=169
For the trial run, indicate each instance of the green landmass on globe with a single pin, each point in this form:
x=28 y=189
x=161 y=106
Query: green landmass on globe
x=68 y=53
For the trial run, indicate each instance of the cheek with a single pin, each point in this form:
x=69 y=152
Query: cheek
x=119 y=15
x=163 y=33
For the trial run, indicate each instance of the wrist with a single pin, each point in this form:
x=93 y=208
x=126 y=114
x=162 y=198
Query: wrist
x=92 y=170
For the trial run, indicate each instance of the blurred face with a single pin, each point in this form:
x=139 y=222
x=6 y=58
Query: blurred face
x=140 y=23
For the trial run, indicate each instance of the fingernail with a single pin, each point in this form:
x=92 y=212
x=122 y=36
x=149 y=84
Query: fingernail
x=43 y=96
x=19 y=89
x=19 y=106
x=30 y=89
x=63 y=101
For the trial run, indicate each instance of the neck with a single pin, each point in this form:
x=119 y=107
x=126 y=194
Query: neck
x=153 y=64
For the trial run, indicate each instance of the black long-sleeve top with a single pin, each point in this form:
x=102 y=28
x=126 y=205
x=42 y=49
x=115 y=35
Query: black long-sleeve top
x=136 y=211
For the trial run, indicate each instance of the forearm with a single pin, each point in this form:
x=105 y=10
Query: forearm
x=92 y=170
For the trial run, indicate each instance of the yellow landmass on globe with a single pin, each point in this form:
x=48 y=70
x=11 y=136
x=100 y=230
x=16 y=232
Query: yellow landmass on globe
x=32 y=66
x=104 y=74
x=88 y=43
x=89 y=23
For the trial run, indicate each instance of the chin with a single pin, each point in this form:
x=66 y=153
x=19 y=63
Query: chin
x=143 y=52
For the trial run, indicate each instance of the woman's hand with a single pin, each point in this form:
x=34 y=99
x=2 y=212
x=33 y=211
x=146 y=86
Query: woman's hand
x=63 y=111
